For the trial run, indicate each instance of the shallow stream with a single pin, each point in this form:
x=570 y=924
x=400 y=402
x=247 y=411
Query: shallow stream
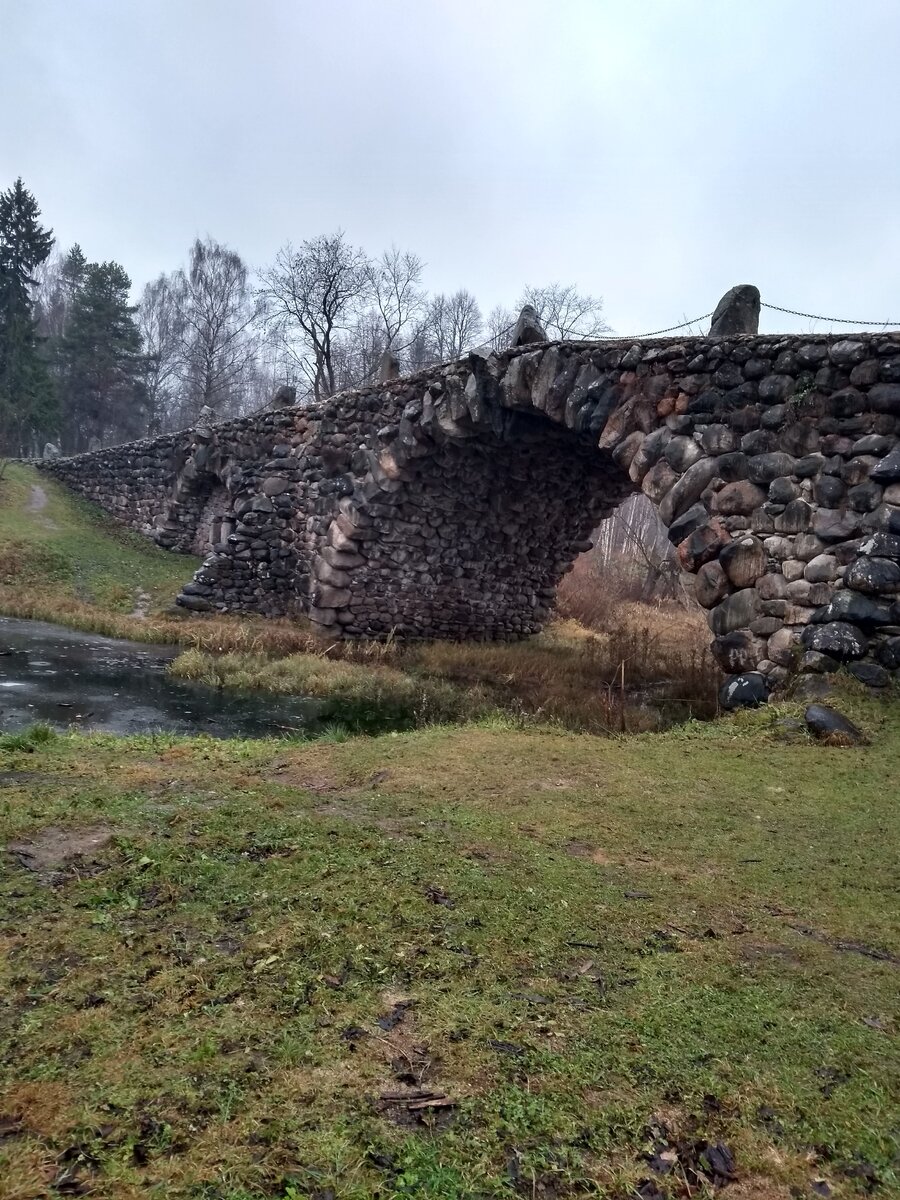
x=67 y=679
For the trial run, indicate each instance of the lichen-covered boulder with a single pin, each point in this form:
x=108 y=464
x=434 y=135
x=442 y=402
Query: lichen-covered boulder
x=736 y=312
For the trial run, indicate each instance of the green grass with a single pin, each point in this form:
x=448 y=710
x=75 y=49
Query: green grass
x=68 y=550
x=587 y=951
x=591 y=948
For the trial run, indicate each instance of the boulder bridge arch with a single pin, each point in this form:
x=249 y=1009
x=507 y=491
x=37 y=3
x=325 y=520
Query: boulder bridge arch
x=450 y=503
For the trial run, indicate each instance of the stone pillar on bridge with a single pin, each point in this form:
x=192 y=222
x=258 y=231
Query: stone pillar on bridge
x=737 y=312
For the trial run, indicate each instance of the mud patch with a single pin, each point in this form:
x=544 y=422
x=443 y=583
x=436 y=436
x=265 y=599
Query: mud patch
x=594 y=854
x=762 y=951
x=416 y=1102
x=344 y=809
x=142 y=602
x=26 y=778
x=53 y=849
x=307 y=781
x=422 y=1108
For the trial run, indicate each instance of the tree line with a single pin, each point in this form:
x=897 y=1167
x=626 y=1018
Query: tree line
x=82 y=366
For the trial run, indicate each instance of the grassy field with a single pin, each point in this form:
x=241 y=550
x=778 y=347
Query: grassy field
x=495 y=959
x=471 y=962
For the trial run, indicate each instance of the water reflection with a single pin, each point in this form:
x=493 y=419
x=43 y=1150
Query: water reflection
x=69 y=679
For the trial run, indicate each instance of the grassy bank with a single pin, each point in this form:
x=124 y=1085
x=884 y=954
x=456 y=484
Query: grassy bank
x=451 y=963
x=61 y=560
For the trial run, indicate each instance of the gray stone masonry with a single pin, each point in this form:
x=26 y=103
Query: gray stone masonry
x=450 y=503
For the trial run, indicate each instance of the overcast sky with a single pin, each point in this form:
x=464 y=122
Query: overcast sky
x=654 y=152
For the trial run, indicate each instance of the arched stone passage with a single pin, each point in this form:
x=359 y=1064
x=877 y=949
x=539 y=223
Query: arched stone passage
x=197 y=515
x=469 y=539
x=449 y=503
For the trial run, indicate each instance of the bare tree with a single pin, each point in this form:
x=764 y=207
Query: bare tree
x=499 y=326
x=217 y=313
x=452 y=325
x=358 y=350
x=311 y=295
x=395 y=285
x=160 y=323
x=635 y=535
x=564 y=312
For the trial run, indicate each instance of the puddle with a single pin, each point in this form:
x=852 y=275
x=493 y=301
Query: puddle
x=68 y=679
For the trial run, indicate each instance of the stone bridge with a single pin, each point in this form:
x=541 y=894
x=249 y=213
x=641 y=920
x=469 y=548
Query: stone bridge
x=450 y=503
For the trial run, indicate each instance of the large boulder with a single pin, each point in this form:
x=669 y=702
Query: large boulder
x=284 y=396
x=838 y=639
x=736 y=312
x=873 y=575
x=848 y=605
x=388 y=367
x=888 y=470
x=744 y=691
x=828 y=725
x=744 y=561
x=528 y=328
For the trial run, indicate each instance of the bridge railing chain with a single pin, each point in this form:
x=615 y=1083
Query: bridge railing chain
x=794 y=312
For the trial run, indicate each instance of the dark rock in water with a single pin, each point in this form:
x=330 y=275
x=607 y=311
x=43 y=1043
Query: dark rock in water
x=828 y=725
x=736 y=312
x=870 y=674
x=837 y=638
x=744 y=691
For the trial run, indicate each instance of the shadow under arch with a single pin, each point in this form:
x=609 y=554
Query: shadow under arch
x=199 y=517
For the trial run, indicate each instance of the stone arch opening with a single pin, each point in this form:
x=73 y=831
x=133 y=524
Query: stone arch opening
x=198 y=516
x=215 y=520
x=471 y=539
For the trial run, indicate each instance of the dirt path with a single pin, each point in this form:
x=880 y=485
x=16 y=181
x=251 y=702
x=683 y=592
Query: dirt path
x=37 y=501
x=141 y=604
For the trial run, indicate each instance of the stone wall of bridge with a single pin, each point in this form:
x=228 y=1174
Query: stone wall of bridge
x=451 y=503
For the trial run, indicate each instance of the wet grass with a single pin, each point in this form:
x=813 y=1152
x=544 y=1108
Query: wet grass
x=66 y=553
x=471 y=962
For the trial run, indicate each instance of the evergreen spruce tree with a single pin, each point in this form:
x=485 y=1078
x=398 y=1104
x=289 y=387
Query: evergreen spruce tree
x=26 y=393
x=105 y=395
x=73 y=270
